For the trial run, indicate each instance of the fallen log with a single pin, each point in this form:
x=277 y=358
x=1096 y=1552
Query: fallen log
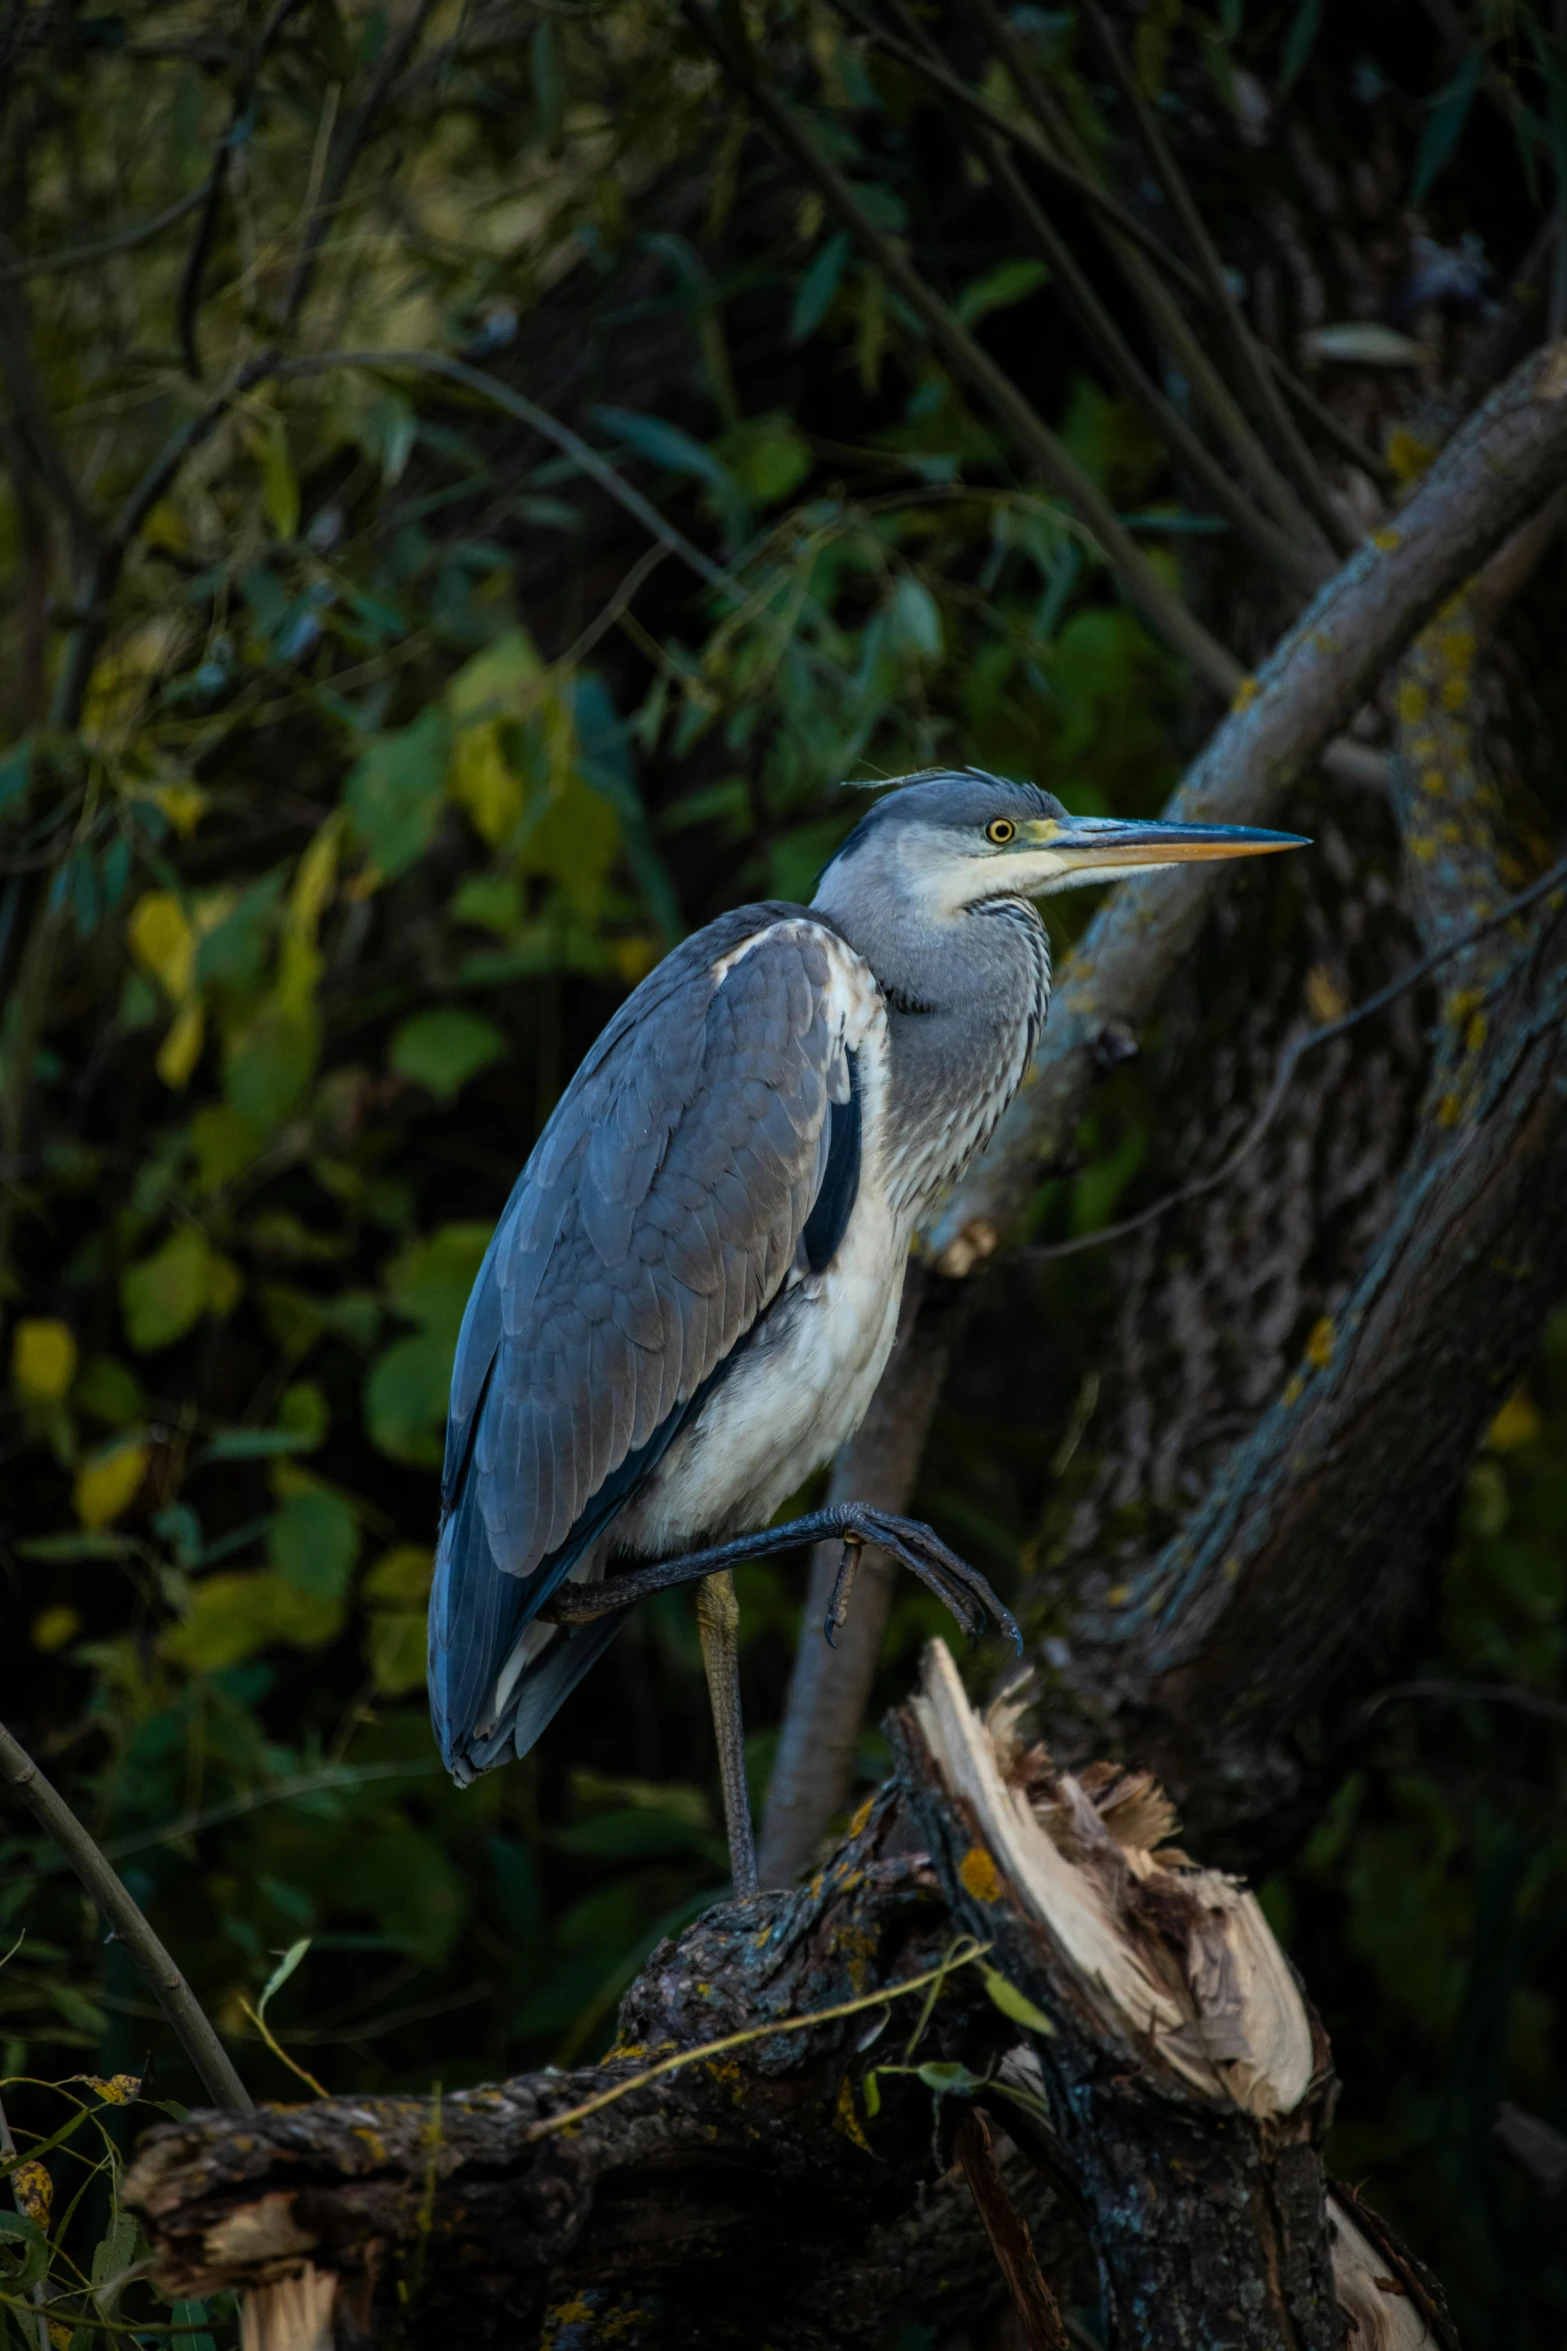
x=1009 y=2043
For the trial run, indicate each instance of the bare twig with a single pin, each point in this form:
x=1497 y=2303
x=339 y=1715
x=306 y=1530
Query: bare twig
x=345 y=154
x=1151 y=286
x=213 y=2066
x=1290 y=1060
x=1074 y=181
x=1296 y=560
x=188 y=299
x=1139 y=580
x=1257 y=376
x=69 y=257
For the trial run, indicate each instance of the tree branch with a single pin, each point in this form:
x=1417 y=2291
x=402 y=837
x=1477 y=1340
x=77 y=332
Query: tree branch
x=1505 y=462
x=1125 y=2017
x=213 y=2066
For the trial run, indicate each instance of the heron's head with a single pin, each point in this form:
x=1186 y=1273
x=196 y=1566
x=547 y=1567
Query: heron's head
x=942 y=844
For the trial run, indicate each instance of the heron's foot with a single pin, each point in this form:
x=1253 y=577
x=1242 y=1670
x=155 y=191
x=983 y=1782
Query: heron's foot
x=914 y=1545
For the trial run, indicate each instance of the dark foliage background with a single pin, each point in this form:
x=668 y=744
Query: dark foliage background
x=405 y=752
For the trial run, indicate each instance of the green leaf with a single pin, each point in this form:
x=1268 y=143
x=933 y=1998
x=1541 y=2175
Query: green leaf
x=914 y=619
x=768 y=455
x=283 y=1970
x=254 y=1445
x=950 y=2079
x=443 y=1050
x=268 y=1063
x=430 y=1280
x=396 y=1642
x=1015 y=2004
x=16 y=770
x=814 y=296
x=396 y=792
x=1008 y=283
x=233 y=953
x=1445 y=126
x=280 y=483
x=665 y=444
x=34 y=2263
x=549 y=82
x=167 y=1293
x=190 y=2314
x=314 y=1543
x=234 y=1615
x=61 y=1548
x=1299 y=42
x=405 y=1398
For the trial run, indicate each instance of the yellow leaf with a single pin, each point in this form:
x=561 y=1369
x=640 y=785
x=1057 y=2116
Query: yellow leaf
x=184 y=804
x=163 y=942
x=1517 y=1424
x=109 y=1481
x=43 y=1361
x=53 y=1627
x=401 y=1578
x=33 y=2190
x=115 y=2089
x=314 y=882
x=499 y=681
x=181 y=1048
x=844 y=2117
x=482 y=781
x=1325 y=999
x=280 y=483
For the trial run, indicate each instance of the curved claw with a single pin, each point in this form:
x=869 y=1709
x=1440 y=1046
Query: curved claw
x=942 y=1572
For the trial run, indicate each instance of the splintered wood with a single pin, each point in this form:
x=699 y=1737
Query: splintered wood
x=293 y=2315
x=1177 y=1962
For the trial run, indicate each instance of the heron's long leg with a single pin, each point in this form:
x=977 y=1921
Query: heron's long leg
x=718 y=1623
x=914 y=1545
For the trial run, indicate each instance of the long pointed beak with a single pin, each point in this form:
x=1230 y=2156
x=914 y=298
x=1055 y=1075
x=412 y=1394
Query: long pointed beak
x=1079 y=849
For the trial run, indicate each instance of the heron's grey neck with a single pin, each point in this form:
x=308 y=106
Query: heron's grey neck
x=967 y=995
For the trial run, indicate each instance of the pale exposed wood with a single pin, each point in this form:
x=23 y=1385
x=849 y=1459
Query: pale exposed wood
x=1382 y=2314
x=293 y=2315
x=1231 y=2024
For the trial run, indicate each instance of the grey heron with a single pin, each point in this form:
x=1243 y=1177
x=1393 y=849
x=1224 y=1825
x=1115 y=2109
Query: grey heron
x=693 y=1289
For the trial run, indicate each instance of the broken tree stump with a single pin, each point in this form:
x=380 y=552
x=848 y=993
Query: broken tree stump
x=773 y=2150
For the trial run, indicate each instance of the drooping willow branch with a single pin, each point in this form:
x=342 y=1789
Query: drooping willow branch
x=191 y=2026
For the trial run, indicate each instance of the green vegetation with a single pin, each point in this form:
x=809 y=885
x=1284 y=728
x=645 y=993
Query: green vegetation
x=343 y=802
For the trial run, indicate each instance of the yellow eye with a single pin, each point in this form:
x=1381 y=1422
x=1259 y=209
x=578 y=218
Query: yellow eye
x=1000 y=830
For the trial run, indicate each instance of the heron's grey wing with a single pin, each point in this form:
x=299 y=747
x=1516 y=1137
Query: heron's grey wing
x=670 y=1198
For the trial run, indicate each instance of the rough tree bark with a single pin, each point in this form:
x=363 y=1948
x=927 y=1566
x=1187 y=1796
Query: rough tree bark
x=1501 y=468
x=1121 y=2014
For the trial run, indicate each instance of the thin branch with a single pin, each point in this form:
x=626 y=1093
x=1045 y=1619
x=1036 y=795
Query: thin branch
x=1151 y=288
x=1099 y=200
x=1498 y=468
x=1296 y=560
x=69 y=257
x=345 y=154
x=1290 y=1060
x=1460 y=1693
x=528 y=412
x=213 y=2065
x=1258 y=378
x=1139 y=580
